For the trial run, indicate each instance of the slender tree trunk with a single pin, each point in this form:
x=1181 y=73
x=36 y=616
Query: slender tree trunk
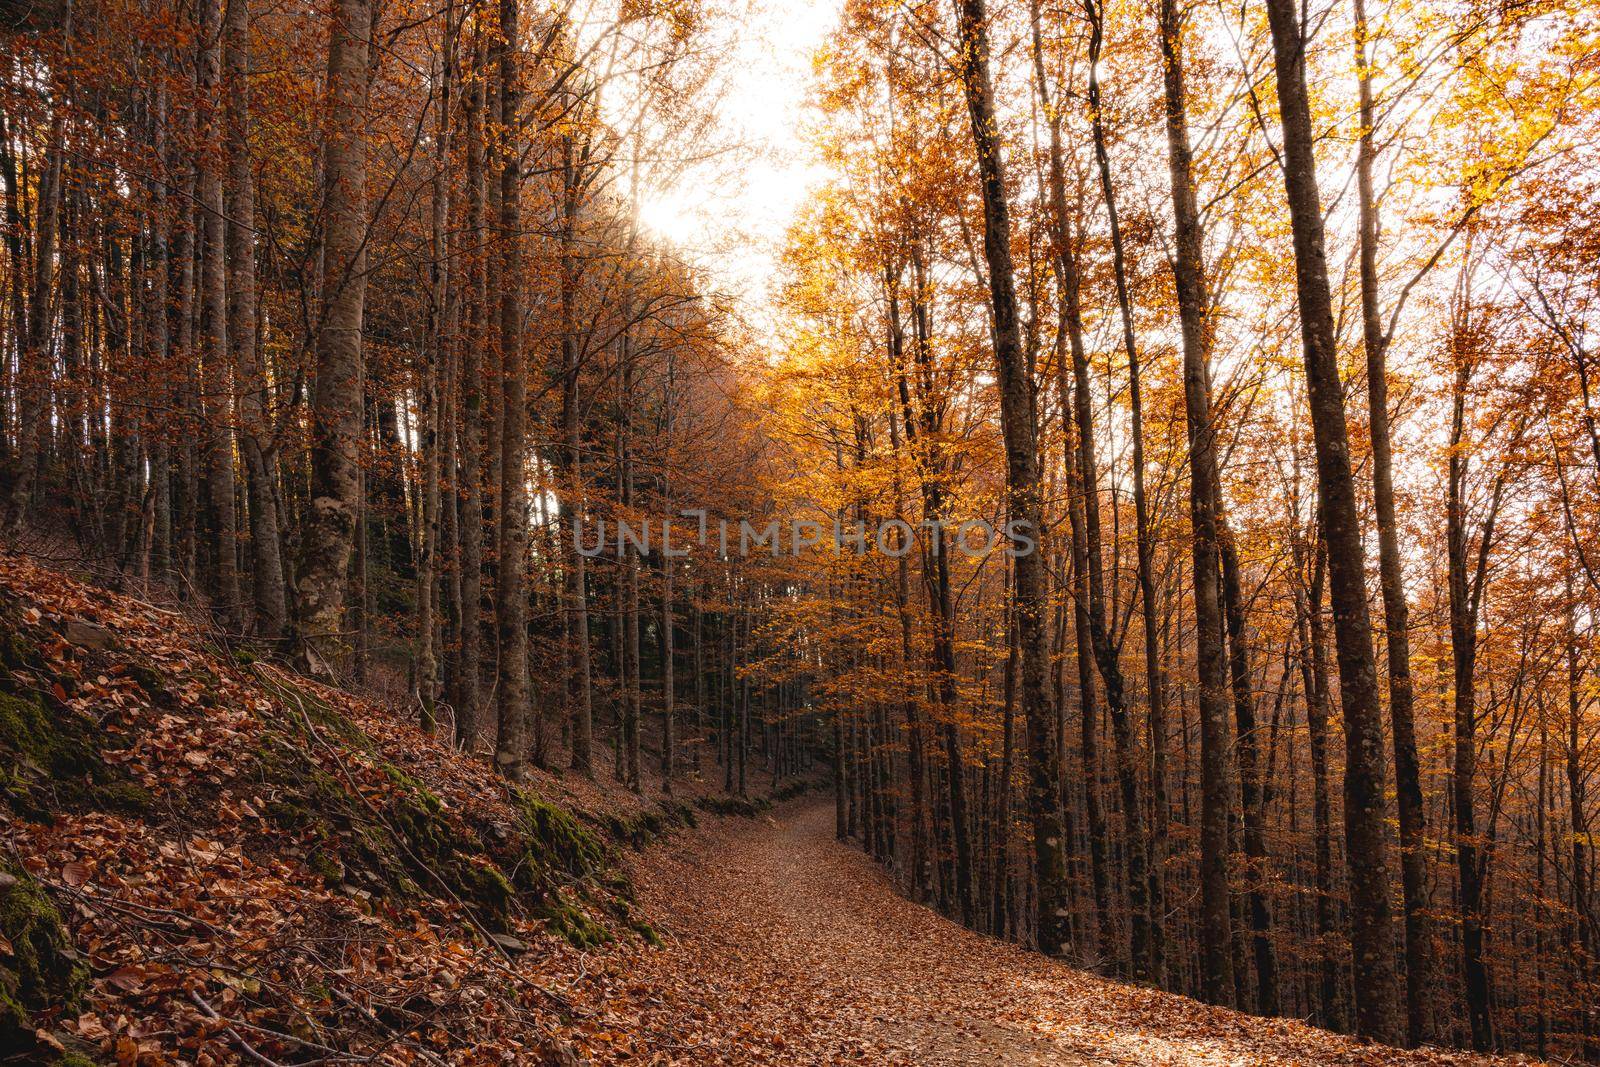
x=914 y=739
x=1137 y=846
x=1407 y=775
x=329 y=527
x=1366 y=851
x=469 y=478
x=1000 y=887
x=158 y=337
x=631 y=696
x=1313 y=644
x=1251 y=790
x=669 y=682
x=1074 y=401
x=271 y=608
x=510 y=567
x=214 y=353
x=185 y=250
x=1464 y=592
x=581 y=685
x=428 y=413
x=1094 y=650
x=1193 y=309
x=34 y=362
x=1024 y=507
x=1583 y=936
x=924 y=425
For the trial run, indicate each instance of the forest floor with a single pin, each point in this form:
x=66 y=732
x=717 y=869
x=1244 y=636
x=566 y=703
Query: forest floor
x=785 y=946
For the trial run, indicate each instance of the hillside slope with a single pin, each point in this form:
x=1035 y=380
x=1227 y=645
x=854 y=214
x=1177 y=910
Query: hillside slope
x=208 y=860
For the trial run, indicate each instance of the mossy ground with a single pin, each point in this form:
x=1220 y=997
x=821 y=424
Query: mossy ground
x=370 y=812
x=745 y=807
x=408 y=843
x=43 y=975
x=49 y=761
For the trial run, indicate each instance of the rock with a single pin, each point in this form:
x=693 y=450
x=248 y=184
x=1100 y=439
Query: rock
x=88 y=635
x=509 y=943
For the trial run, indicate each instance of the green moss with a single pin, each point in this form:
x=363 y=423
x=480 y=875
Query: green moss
x=417 y=790
x=626 y=918
x=327 y=863
x=732 y=805
x=153 y=683
x=49 y=762
x=128 y=796
x=686 y=815
x=44 y=973
x=486 y=885
x=569 y=921
x=414 y=846
x=323 y=717
x=345 y=843
x=557 y=840
x=15 y=652
x=643 y=828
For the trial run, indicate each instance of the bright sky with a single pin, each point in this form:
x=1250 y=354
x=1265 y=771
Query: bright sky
x=729 y=214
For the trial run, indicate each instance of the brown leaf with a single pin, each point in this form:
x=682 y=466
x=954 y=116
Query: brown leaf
x=127 y=979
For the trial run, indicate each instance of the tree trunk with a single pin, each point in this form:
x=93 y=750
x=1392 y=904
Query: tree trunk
x=255 y=442
x=1024 y=507
x=580 y=685
x=469 y=478
x=511 y=607
x=1251 y=791
x=33 y=357
x=328 y=529
x=1314 y=671
x=1407 y=774
x=1137 y=847
x=215 y=357
x=1366 y=844
x=428 y=413
x=1193 y=308
x=1464 y=592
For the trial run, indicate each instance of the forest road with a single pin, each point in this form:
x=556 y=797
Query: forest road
x=781 y=939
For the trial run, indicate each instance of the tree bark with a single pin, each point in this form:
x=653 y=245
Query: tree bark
x=1407 y=774
x=216 y=359
x=1252 y=793
x=511 y=607
x=1193 y=308
x=255 y=444
x=469 y=477
x=429 y=460
x=34 y=362
x=1136 y=848
x=1465 y=590
x=580 y=685
x=328 y=528
x=1366 y=851
x=1024 y=507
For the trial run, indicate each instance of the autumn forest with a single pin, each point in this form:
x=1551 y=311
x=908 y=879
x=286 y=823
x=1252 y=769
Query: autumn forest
x=1128 y=469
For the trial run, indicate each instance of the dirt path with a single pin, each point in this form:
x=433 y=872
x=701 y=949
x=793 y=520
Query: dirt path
x=786 y=947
